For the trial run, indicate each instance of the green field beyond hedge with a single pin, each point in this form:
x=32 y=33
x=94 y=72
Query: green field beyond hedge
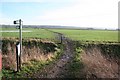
x=83 y=35
x=89 y=35
x=34 y=33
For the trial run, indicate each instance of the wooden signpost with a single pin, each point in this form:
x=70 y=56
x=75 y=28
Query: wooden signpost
x=19 y=44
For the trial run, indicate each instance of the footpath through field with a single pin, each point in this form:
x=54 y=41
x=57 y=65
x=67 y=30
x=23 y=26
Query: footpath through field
x=59 y=69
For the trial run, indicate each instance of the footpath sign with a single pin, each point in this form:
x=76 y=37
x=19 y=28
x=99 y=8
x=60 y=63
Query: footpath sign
x=19 y=45
x=18 y=49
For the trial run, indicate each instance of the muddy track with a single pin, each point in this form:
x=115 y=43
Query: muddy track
x=59 y=68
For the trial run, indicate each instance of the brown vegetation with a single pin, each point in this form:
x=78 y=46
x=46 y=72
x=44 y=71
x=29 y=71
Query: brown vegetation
x=97 y=65
x=32 y=50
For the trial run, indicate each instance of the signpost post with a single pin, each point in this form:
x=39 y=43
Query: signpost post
x=18 y=55
x=19 y=46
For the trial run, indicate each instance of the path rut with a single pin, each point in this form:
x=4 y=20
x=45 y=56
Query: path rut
x=59 y=68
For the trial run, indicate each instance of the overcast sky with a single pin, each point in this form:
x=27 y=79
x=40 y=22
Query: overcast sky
x=79 y=13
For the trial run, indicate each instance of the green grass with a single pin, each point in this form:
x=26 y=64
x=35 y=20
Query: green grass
x=36 y=33
x=27 y=69
x=79 y=35
x=89 y=35
x=76 y=64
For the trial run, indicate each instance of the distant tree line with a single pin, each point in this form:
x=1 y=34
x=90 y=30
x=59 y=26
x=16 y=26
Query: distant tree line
x=50 y=26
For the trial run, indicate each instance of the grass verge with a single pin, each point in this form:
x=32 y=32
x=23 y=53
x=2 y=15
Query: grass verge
x=31 y=67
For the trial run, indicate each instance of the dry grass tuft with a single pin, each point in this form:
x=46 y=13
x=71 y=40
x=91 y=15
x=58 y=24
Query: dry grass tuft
x=97 y=65
x=29 y=53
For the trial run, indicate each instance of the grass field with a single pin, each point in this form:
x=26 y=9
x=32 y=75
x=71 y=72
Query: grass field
x=89 y=35
x=35 y=33
x=80 y=35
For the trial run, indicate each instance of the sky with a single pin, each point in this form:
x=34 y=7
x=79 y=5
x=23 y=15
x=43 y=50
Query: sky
x=79 y=13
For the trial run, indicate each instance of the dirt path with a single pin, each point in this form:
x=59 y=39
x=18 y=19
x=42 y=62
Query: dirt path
x=59 y=68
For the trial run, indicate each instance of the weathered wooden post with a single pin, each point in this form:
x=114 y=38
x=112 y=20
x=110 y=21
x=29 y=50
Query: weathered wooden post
x=19 y=45
x=18 y=55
